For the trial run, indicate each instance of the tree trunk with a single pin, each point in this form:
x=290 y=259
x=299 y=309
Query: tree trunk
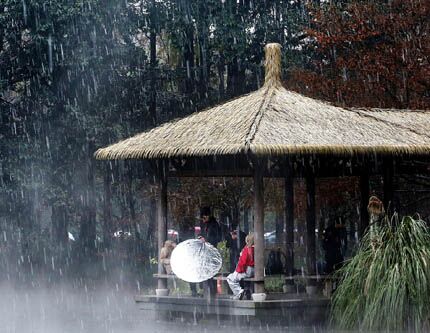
x=25 y=223
x=235 y=218
x=107 y=208
x=131 y=201
x=150 y=239
x=59 y=225
x=246 y=220
x=232 y=76
x=221 y=70
x=189 y=59
x=235 y=78
x=203 y=37
x=87 y=233
x=153 y=65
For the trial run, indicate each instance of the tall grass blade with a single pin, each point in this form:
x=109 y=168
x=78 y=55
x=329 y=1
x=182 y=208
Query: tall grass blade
x=386 y=285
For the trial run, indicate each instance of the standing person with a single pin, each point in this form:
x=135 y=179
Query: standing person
x=235 y=241
x=334 y=244
x=210 y=231
x=244 y=269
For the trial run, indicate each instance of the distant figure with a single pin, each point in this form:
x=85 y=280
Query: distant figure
x=235 y=241
x=244 y=269
x=376 y=214
x=274 y=263
x=334 y=244
x=376 y=209
x=165 y=254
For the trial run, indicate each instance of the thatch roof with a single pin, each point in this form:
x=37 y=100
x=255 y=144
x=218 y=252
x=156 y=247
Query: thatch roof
x=275 y=121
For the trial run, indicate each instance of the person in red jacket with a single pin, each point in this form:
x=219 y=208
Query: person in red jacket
x=244 y=268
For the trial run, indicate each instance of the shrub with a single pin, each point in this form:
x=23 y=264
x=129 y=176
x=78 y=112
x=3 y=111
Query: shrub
x=386 y=285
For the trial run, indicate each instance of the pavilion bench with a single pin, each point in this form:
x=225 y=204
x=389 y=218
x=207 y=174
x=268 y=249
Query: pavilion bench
x=164 y=276
x=223 y=277
x=249 y=282
x=327 y=280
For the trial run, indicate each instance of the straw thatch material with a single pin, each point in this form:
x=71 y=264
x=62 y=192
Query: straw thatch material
x=275 y=121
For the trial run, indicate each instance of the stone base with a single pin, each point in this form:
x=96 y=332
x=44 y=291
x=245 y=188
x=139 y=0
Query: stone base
x=279 y=309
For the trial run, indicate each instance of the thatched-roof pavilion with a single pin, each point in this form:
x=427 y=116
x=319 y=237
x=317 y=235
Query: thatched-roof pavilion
x=277 y=124
x=274 y=121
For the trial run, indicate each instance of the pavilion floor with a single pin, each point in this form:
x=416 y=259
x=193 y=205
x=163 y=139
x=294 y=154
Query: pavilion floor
x=278 y=309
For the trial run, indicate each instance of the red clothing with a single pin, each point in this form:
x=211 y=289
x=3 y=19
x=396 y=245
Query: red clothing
x=246 y=259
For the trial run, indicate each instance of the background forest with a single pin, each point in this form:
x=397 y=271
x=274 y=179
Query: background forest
x=78 y=75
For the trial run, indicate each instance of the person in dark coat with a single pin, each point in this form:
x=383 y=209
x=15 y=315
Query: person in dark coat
x=334 y=244
x=235 y=242
x=210 y=231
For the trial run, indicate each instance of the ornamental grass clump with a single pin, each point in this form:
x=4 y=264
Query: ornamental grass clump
x=386 y=285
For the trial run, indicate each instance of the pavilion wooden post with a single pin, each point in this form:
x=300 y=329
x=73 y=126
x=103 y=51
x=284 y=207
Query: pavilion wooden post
x=310 y=222
x=259 y=226
x=388 y=174
x=161 y=216
x=289 y=218
x=279 y=227
x=364 y=198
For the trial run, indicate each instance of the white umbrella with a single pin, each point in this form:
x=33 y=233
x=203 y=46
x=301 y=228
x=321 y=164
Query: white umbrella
x=195 y=261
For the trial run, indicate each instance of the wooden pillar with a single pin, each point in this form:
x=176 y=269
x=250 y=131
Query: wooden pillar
x=310 y=221
x=388 y=173
x=364 y=199
x=259 y=226
x=161 y=216
x=279 y=227
x=289 y=218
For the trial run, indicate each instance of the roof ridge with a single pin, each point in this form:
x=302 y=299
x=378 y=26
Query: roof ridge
x=376 y=110
x=267 y=98
x=364 y=114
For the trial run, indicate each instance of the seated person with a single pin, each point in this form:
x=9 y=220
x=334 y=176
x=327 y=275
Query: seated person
x=235 y=241
x=165 y=253
x=244 y=268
